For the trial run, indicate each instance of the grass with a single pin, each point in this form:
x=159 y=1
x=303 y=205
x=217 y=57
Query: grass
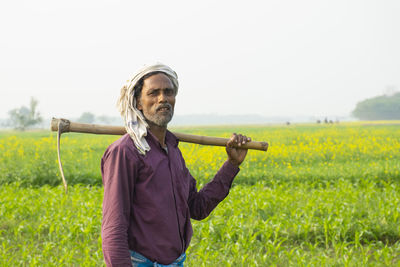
x=323 y=195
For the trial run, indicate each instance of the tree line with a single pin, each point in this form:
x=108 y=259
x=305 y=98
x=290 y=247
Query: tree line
x=26 y=117
x=384 y=107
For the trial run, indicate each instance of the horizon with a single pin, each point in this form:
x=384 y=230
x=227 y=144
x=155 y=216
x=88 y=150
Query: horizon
x=200 y=120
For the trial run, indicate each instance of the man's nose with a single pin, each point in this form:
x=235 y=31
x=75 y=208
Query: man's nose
x=162 y=97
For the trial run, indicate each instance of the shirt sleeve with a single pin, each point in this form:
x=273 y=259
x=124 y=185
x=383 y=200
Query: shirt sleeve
x=117 y=171
x=201 y=203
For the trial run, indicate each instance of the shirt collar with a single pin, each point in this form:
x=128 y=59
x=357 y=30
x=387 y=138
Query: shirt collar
x=170 y=139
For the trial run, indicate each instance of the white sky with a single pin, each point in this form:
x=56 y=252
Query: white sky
x=272 y=58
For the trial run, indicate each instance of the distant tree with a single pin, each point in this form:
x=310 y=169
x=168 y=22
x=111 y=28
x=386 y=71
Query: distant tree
x=386 y=107
x=86 y=117
x=24 y=117
x=105 y=119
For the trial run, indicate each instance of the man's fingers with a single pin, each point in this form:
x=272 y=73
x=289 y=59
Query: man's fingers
x=243 y=140
x=232 y=140
x=240 y=140
x=237 y=140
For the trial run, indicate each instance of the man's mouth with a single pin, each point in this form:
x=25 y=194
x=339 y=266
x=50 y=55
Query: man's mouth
x=164 y=108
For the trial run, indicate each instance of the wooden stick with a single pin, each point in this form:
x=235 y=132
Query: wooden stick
x=68 y=126
x=64 y=126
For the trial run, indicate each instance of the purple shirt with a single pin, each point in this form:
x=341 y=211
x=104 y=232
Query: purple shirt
x=149 y=200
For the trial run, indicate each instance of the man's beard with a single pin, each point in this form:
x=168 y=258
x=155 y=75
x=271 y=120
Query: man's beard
x=160 y=119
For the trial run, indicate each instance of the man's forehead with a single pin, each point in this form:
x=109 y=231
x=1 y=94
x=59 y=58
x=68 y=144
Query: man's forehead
x=158 y=81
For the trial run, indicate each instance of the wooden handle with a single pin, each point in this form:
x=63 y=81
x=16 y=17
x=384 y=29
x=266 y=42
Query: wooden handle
x=68 y=126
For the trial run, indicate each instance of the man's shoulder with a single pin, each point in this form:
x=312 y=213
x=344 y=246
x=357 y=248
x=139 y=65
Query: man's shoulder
x=122 y=145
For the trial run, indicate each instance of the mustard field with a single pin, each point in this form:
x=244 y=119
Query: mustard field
x=323 y=195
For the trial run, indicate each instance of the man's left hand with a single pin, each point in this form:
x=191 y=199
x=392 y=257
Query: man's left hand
x=236 y=154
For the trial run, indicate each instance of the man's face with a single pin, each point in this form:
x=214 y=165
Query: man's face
x=157 y=99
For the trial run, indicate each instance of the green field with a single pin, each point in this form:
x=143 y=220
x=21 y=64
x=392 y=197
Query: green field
x=323 y=195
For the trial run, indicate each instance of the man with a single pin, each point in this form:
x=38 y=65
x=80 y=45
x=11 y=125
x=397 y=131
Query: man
x=149 y=194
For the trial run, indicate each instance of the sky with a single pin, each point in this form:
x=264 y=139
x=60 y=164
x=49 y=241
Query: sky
x=270 y=58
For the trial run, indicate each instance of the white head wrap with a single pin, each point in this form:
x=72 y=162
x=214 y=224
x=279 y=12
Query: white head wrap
x=135 y=123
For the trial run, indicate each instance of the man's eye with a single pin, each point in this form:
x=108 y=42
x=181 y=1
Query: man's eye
x=170 y=92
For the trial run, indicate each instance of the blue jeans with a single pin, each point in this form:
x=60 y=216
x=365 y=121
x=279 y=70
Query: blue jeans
x=138 y=260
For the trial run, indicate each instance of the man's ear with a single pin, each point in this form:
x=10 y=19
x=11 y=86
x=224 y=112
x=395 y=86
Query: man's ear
x=138 y=104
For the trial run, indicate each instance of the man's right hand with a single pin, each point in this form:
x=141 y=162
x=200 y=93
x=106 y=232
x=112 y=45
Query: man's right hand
x=236 y=154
